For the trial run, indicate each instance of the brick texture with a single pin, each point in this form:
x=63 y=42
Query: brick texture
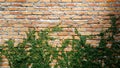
x=10 y=0
x=32 y=0
x=89 y=16
x=77 y=0
x=20 y=0
x=66 y=0
x=2 y=0
x=44 y=0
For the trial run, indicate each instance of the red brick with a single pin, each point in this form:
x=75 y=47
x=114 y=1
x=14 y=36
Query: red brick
x=2 y=0
x=15 y=12
x=86 y=17
x=27 y=25
x=71 y=4
x=26 y=13
x=96 y=25
x=9 y=16
x=41 y=5
x=54 y=9
x=4 y=65
x=66 y=0
x=110 y=8
x=5 y=12
x=18 y=25
x=81 y=29
x=20 y=0
x=82 y=5
x=90 y=29
x=103 y=13
x=92 y=13
x=116 y=13
x=44 y=0
x=87 y=8
x=20 y=17
x=70 y=13
x=76 y=17
x=107 y=25
x=64 y=17
x=76 y=0
x=30 y=9
x=42 y=8
x=99 y=8
x=12 y=9
x=54 y=0
x=76 y=8
x=52 y=5
x=68 y=29
x=10 y=0
x=111 y=0
x=62 y=34
x=32 y=17
x=85 y=26
x=116 y=5
x=32 y=0
x=104 y=5
x=65 y=9
x=99 y=0
x=21 y=9
x=81 y=13
x=27 y=5
x=4 y=4
x=1 y=17
x=89 y=0
x=93 y=4
x=16 y=4
x=87 y=33
x=53 y=17
x=37 y=13
x=47 y=13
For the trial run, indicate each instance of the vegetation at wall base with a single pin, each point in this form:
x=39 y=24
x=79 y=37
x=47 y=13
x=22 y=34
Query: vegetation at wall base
x=37 y=52
x=0 y=54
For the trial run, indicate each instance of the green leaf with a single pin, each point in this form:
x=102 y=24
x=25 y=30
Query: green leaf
x=57 y=29
x=83 y=40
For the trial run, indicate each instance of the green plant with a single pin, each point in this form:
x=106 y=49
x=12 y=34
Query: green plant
x=84 y=55
x=35 y=50
x=39 y=49
x=17 y=56
x=64 y=57
x=103 y=56
x=0 y=54
x=110 y=53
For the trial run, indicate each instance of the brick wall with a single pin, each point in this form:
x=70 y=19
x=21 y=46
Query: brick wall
x=89 y=16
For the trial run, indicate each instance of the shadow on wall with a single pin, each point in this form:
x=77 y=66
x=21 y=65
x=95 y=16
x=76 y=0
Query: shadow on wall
x=101 y=21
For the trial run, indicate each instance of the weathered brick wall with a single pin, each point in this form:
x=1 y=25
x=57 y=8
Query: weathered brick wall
x=89 y=16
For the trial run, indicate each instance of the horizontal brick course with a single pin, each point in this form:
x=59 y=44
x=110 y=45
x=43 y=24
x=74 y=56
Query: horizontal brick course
x=66 y=0
x=32 y=0
x=111 y=0
x=89 y=16
x=76 y=0
x=2 y=0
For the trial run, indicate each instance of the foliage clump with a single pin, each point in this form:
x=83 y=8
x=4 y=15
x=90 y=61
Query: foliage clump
x=37 y=52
